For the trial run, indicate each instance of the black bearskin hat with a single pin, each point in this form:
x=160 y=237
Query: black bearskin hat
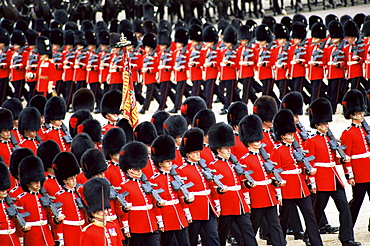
x=351 y=29
x=31 y=36
x=91 y=38
x=320 y=112
x=244 y=32
x=70 y=25
x=103 y=37
x=43 y=46
x=39 y=102
x=150 y=40
x=164 y=37
x=191 y=106
x=230 y=35
x=313 y=20
x=57 y=36
x=133 y=155
x=4 y=36
x=55 y=109
x=80 y=38
x=93 y=192
x=86 y=25
x=100 y=26
x=299 y=18
x=329 y=18
x=163 y=148
x=175 y=126
x=221 y=26
x=127 y=128
x=65 y=165
x=69 y=37
x=131 y=36
x=165 y=24
x=29 y=120
x=138 y=26
x=221 y=135
x=61 y=15
x=8 y=25
x=191 y=141
x=287 y=22
x=204 y=119
x=269 y=21
x=113 y=141
x=113 y=25
x=250 y=129
x=265 y=107
x=182 y=36
x=150 y=27
x=76 y=119
x=284 y=123
x=83 y=98
x=92 y=128
x=47 y=151
x=236 y=112
x=21 y=25
x=5 y=177
x=299 y=30
x=15 y=159
x=281 y=31
x=114 y=40
x=31 y=170
x=55 y=24
x=263 y=33
x=81 y=143
x=124 y=25
x=195 y=21
x=93 y=163
x=344 y=19
x=111 y=103
x=40 y=25
x=195 y=33
x=236 y=23
x=359 y=18
x=293 y=101
x=336 y=30
x=157 y=120
x=210 y=34
x=6 y=119
x=318 y=30
x=353 y=101
x=366 y=29
x=145 y=132
x=14 y=105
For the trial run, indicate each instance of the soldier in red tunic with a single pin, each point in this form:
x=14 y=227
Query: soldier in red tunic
x=175 y=213
x=32 y=177
x=55 y=110
x=15 y=106
x=68 y=70
x=144 y=219
x=57 y=43
x=117 y=63
x=5 y=57
x=354 y=138
x=29 y=124
x=32 y=63
x=327 y=180
x=206 y=205
x=110 y=108
x=66 y=169
x=45 y=83
x=295 y=192
x=6 y=146
x=105 y=57
x=100 y=231
x=234 y=207
x=80 y=62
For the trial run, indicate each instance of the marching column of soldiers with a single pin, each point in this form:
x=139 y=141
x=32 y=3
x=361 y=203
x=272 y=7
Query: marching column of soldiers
x=181 y=179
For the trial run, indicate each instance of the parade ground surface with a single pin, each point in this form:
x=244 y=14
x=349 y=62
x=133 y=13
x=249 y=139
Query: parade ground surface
x=337 y=126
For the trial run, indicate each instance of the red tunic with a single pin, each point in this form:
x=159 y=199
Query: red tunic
x=317 y=72
x=263 y=195
x=96 y=235
x=246 y=71
x=92 y=67
x=280 y=72
x=58 y=65
x=114 y=174
x=180 y=75
x=358 y=149
x=7 y=238
x=229 y=72
x=5 y=151
x=354 y=68
x=116 y=68
x=207 y=154
x=32 y=66
x=197 y=56
x=268 y=140
x=178 y=160
x=136 y=63
x=44 y=75
x=5 y=64
x=239 y=148
x=18 y=72
x=265 y=72
x=51 y=185
x=30 y=143
x=165 y=73
x=325 y=161
x=204 y=193
x=295 y=186
x=297 y=70
x=172 y=213
x=333 y=71
x=57 y=136
x=212 y=72
x=150 y=169
x=40 y=233
x=105 y=59
x=80 y=63
x=107 y=127
x=68 y=61
x=367 y=62
x=150 y=77
x=232 y=201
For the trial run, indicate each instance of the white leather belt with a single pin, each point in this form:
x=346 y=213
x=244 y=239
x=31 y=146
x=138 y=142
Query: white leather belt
x=37 y=223
x=234 y=188
x=263 y=182
x=74 y=223
x=142 y=208
x=111 y=217
x=7 y=232
x=201 y=193
x=325 y=164
x=359 y=156
x=294 y=171
x=172 y=202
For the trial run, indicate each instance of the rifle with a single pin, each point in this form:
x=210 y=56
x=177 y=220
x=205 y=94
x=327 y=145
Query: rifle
x=195 y=54
x=283 y=55
x=12 y=211
x=334 y=145
x=318 y=52
x=339 y=53
x=3 y=55
x=269 y=167
x=358 y=45
x=32 y=59
x=148 y=59
x=92 y=59
x=69 y=56
x=240 y=170
x=212 y=54
x=148 y=189
x=231 y=53
x=300 y=156
x=208 y=175
x=248 y=52
x=178 y=184
x=180 y=59
x=113 y=194
x=265 y=54
x=57 y=56
x=303 y=133
x=300 y=50
x=164 y=57
x=367 y=130
x=19 y=57
x=46 y=202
